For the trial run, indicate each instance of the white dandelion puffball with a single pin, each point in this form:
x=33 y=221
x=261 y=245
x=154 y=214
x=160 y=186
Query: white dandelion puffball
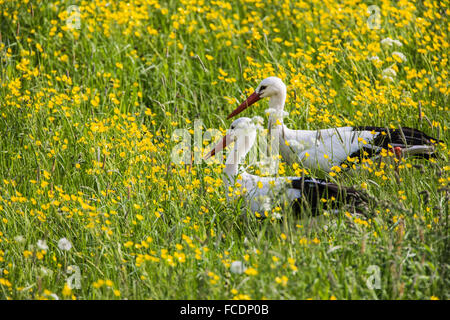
x=390 y=42
x=400 y=55
x=237 y=267
x=19 y=239
x=64 y=244
x=42 y=245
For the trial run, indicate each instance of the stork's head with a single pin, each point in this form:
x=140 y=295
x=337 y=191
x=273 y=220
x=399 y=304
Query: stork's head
x=271 y=87
x=242 y=132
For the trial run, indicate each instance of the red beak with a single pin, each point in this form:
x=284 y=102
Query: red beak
x=247 y=103
x=219 y=147
x=398 y=152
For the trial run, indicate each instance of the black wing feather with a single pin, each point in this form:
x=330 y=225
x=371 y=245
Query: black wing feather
x=313 y=190
x=413 y=137
x=403 y=137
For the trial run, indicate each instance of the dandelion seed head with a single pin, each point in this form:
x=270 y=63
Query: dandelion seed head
x=237 y=267
x=42 y=245
x=64 y=244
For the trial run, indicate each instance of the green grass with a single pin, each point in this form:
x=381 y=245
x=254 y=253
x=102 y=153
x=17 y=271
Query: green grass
x=99 y=172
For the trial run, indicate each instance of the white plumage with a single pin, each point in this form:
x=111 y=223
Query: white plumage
x=326 y=148
x=265 y=193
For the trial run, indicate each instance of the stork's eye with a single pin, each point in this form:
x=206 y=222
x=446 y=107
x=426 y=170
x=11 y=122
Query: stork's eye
x=262 y=88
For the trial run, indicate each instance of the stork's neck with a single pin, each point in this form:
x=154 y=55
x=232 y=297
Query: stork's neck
x=242 y=146
x=276 y=107
x=277 y=101
x=275 y=120
x=232 y=163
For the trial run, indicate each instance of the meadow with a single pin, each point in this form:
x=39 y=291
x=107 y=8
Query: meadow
x=93 y=207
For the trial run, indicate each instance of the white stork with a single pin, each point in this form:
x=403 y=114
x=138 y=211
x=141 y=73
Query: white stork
x=265 y=193
x=327 y=148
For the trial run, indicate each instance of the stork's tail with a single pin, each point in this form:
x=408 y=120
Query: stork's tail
x=314 y=190
x=412 y=142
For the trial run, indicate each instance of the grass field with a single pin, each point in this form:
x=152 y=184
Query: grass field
x=91 y=206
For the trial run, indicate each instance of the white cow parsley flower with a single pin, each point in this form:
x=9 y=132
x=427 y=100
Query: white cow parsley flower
x=389 y=72
x=400 y=55
x=276 y=215
x=390 y=42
